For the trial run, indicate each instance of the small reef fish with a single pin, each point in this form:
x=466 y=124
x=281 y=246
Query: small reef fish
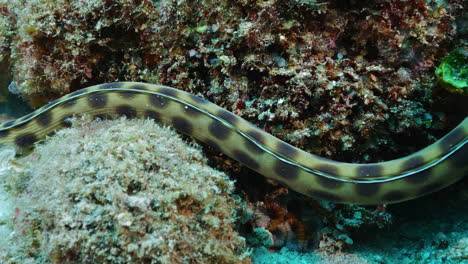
x=430 y=169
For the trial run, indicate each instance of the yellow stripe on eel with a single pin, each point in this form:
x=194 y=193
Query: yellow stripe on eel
x=425 y=171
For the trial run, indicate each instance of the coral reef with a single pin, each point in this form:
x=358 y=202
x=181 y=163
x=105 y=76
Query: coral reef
x=348 y=80
x=5 y=32
x=430 y=230
x=7 y=154
x=122 y=192
x=342 y=222
x=59 y=46
x=5 y=40
x=276 y=227
x=342 y=79
x=287 y=220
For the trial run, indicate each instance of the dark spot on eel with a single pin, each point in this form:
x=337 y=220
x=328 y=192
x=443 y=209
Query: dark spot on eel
x=329 y=183
x=138 y=86
x=228 y=117
x=153 y=115
x=287 y=150
x=369 y=170
x=126 y=110
x=328 y=169
x=286 y=170
x=69 y=103
x=97 y=100
x=158 y=101
x=25 y=140
x=419 y=177
x=218 y=130
x=459 y=159
x=8 y=123
x=451 y=139
x=197 y=99
x=44 y=119
x=191 y=111
x=168 y=91
x=245 y=159
x=127 y=94
x=182 y=125
x=258 y=137
x=413 y=163
x=367 y=189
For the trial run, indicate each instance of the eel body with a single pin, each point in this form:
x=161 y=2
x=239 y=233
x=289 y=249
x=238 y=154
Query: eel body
x=425 y=171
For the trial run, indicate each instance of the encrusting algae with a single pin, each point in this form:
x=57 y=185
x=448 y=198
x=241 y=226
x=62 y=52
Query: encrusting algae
x=124 y=191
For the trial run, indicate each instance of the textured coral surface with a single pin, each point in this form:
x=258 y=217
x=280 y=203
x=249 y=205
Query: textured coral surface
x=122 y=192
x=350 y=80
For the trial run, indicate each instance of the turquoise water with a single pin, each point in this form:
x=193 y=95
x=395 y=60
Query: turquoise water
x=14 y=107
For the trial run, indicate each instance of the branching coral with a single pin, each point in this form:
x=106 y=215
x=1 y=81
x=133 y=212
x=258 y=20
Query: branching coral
x=123 y=192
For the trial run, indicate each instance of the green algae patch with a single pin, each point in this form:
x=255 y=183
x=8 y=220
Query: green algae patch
x=453 y=71
x=123 y=191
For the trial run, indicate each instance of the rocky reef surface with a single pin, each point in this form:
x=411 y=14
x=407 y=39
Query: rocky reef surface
x=348 y=80
x=119 y=192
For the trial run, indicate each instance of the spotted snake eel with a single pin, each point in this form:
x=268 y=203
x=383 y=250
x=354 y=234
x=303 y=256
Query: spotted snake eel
x=430 y=169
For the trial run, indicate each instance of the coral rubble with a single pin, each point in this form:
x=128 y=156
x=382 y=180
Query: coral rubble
x=122 y=192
